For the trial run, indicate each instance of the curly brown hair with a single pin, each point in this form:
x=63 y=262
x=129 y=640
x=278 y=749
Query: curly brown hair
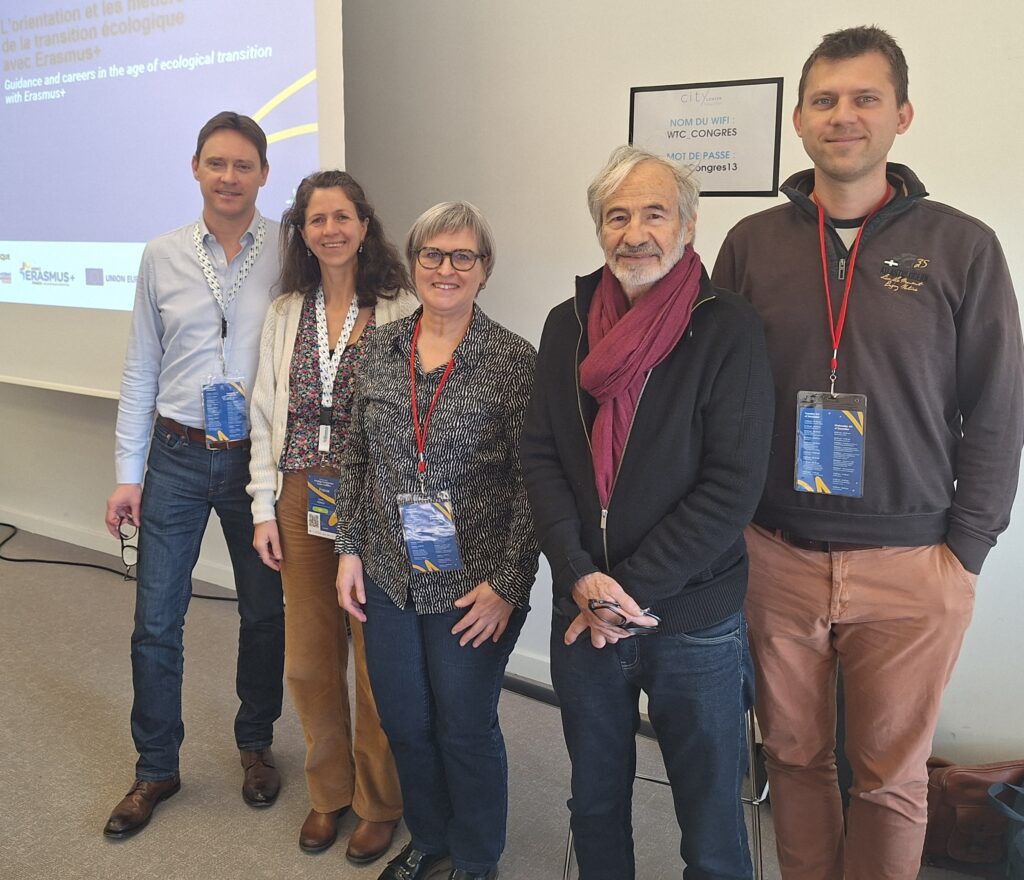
x=380 y=274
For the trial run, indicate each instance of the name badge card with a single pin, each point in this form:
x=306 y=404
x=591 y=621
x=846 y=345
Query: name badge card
x=429 y=529
x=322 y=505
x=830 y=432
x=225 y=413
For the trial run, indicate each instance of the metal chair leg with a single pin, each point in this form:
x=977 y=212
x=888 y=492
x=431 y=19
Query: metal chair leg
x=757 y=797
x=570 y=859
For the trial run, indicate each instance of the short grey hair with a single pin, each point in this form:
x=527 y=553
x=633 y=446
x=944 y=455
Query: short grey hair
x=451 y=217
x=621 y=162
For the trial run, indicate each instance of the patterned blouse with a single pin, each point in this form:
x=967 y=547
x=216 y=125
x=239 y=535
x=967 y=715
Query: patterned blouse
x=472 y=451
x=303 y=434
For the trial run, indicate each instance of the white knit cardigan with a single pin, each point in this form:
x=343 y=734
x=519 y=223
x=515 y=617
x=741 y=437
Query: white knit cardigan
x=268 y=411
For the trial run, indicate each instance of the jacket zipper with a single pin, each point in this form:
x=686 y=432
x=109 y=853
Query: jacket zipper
x=842 y=268
x=586 y=433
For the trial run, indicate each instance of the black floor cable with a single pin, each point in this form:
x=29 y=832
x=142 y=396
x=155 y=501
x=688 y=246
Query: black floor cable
x=127 y=574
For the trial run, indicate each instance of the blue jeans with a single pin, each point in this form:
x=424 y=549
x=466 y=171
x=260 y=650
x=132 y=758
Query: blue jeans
x=699 y=686
x=438 y=704
x=184 y=482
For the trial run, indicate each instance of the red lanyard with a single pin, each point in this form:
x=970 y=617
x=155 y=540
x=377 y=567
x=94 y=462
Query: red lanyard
x=421 y=432
x=836 y=330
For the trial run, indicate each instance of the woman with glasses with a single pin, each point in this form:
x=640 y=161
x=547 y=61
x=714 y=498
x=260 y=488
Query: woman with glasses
x=343 y=281
x=438 y=553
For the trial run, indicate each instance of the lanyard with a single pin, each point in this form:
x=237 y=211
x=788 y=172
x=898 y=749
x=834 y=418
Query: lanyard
x=329 y=361
x=213 y=282
x=421 y=432
x=836 y=329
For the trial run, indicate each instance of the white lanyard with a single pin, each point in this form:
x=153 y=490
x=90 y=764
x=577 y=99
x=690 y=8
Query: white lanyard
x=329 y=361
x=213 y=282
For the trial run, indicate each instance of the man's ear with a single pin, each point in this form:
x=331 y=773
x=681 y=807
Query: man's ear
x=906 y=113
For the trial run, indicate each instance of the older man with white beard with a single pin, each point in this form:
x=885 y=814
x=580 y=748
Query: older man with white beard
x=644 y=454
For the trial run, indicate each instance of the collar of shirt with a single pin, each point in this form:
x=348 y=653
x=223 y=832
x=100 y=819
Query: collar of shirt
x=467 y=353
x=248 y=237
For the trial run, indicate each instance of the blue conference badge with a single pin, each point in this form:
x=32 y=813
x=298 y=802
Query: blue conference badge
x=429 y=530
x=224 y=410
x=830 y=432
x=322 y=505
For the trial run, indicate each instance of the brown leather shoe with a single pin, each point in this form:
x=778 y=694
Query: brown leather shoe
x=262 y=781
x=369 y=841
x=136 y=807
x=320 y=830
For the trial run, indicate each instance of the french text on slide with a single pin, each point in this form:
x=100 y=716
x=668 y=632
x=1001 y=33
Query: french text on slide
x=44 y=52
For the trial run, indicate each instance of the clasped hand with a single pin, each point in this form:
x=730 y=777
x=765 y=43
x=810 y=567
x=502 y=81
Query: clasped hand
x=600 y=586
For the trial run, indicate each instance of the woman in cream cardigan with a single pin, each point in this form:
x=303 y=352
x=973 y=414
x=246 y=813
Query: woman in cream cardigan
x=342 y=279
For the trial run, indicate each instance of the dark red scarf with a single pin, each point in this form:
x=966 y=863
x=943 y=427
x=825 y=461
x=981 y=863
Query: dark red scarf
x=625 y=345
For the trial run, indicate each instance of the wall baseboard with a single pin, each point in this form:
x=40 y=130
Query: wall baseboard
x=98 y=539
x=530 y=665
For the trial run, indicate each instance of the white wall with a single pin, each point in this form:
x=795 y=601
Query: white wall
x=515 y=105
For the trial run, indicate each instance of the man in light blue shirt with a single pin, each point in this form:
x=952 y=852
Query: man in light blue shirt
x=202 y=294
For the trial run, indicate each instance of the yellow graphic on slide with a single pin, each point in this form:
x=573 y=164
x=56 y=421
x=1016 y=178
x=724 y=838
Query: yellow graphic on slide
x=280 y=98
x=819 y=486
x=333 y=502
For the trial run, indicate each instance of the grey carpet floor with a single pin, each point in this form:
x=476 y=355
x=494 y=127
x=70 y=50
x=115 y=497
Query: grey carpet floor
x=66 y=754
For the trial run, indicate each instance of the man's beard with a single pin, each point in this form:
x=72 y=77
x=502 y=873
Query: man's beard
x=632 y=277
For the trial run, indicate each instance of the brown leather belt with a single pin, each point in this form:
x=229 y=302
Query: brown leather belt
x=822 y=546
x=198 y=435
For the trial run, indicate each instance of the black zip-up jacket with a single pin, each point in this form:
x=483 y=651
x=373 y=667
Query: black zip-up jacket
x=691 y=472
x=932 y=337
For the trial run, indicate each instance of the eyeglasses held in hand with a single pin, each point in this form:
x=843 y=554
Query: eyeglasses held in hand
x=127 y=532
x=613 y=617
x=462 y=260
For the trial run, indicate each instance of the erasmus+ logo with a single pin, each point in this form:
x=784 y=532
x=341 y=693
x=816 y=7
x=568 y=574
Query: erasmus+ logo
x=35 y=275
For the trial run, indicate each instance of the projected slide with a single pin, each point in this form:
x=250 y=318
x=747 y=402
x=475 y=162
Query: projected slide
x=102 y=102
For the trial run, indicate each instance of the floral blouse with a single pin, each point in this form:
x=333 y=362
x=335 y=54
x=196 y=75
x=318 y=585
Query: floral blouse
x=302 y=437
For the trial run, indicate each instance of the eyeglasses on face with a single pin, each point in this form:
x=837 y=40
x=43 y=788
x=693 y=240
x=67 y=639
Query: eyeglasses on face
x=462 y=260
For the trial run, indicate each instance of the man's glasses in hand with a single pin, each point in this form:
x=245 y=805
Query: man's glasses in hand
x=127 y=532
x=610 y=613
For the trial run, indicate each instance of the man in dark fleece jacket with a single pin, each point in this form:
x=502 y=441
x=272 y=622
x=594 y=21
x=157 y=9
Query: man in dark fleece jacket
x=644 y=452
x=895 y=344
